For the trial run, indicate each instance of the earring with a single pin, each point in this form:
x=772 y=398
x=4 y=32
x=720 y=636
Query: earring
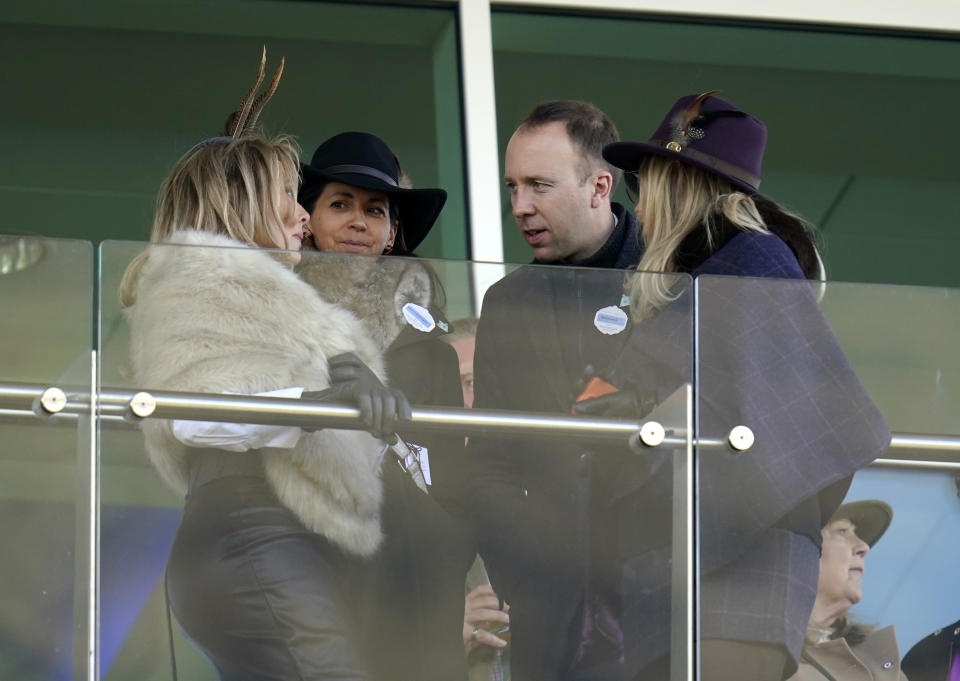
x=388 y=249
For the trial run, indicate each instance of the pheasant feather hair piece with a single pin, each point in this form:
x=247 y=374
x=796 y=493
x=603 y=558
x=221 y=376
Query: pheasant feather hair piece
x=245 y=118
x=680 y=128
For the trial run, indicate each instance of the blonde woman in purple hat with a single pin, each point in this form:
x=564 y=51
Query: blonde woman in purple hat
x=767 y=359
x=695 y=187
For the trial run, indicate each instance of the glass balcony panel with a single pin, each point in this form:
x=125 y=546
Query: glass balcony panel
x=591 y=548
x=818 y=373
x=555 y=498
x=139 y=515
x=46 y=336
x=901 y=341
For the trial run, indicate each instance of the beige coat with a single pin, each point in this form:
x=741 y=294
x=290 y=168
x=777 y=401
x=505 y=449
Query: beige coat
x=875 y=659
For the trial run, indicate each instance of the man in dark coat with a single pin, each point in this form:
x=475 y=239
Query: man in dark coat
x=530 y=500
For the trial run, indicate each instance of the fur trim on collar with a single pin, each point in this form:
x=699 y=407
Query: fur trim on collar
x=375 y=289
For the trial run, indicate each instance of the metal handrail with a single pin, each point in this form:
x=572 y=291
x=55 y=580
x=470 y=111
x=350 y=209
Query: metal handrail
x=115 y=404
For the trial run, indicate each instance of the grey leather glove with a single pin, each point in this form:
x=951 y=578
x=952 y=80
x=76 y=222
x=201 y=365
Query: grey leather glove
x=352 y=381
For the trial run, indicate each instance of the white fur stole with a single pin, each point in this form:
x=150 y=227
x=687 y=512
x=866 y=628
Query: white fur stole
x=213 y=315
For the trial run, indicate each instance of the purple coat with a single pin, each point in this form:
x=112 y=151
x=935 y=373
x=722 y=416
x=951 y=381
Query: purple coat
x=767 y=360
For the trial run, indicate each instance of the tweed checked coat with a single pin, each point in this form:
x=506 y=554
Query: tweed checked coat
x=601 y=520
x=767 y=359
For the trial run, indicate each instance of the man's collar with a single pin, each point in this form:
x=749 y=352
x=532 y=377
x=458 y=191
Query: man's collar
x=622 y=249
x=606 y=255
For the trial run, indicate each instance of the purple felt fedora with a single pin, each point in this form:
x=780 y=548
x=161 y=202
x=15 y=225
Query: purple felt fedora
x=704 y=131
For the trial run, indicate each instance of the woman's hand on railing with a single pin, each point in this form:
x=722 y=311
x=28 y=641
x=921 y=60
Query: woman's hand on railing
x=352 y=381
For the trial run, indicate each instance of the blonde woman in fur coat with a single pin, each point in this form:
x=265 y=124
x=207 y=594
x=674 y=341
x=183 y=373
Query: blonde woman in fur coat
x=282 y=529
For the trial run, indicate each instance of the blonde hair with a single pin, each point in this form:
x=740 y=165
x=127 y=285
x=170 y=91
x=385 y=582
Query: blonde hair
x=225 y=185
x=675 y=199
x=465 y=327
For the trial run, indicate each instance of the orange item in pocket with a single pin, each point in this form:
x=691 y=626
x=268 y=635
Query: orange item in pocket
x=596 y=387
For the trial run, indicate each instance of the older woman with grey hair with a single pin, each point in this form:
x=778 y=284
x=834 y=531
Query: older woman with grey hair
x=837 y=647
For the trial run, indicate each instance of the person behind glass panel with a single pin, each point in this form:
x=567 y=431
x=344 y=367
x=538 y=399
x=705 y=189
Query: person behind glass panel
x=363 y=208
x=695 y=189
x=530 y=500
x=837 y=647
x=463 y=339
x=279 y=524
x=486 y=622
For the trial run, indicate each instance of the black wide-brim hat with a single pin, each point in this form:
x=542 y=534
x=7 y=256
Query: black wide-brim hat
x=870 y=518
x=363 y=160
x=704 y=131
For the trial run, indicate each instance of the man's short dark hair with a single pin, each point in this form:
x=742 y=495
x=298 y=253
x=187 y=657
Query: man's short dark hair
x=587 y=126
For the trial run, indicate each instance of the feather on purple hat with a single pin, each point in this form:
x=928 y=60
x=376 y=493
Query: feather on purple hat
x=704 y=131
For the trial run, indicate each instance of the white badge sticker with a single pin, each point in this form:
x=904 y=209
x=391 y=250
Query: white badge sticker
x=610 y=320
x=425 y=464
x=419 y=317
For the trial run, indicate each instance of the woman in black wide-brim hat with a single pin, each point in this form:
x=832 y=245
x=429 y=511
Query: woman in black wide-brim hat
x=357 y=203
x=765 y=359
x=360 y=204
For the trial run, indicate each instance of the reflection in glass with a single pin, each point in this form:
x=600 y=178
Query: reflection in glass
x=18 y=253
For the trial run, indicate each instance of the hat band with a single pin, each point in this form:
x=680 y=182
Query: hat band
x=360 y=170
x=722 y=166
